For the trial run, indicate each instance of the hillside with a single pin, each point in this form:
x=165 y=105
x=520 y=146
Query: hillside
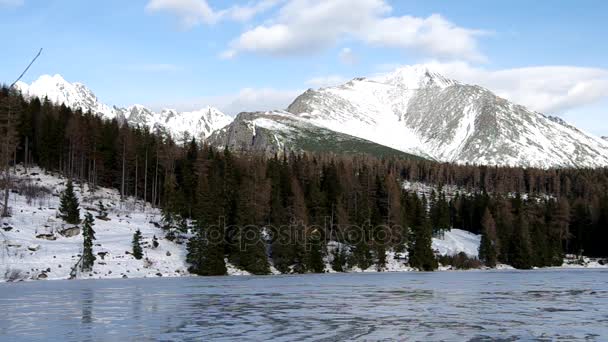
x=418 y=111
x=276 y=132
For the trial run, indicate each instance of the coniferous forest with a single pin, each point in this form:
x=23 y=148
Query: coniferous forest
x=245 y=208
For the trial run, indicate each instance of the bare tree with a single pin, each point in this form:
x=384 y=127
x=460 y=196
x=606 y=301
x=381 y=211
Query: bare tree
x=7 y=124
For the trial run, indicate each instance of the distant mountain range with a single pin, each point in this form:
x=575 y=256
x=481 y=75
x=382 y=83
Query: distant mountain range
x=411 y=111
x=199 y=124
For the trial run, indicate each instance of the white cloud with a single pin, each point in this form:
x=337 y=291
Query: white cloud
x=246 y=13
x=308 y=26
x=11 y=3
x=192 y=13
x=347 y=56
x=326 y=81
x=547 y=89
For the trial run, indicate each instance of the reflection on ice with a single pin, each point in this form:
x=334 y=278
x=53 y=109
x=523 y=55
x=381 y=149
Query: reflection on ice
x=546 y=305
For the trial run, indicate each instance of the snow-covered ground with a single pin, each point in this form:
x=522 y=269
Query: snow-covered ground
x=33 y=247
x=456 y=241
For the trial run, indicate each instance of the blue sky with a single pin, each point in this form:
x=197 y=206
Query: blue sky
x=259 y=54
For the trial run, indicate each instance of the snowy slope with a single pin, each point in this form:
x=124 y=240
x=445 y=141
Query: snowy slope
x=199 y=124
x=73 y=95
x=279 y=131
x=455 y=241
x=25 y=254
x=34 y=256
x=421 y=112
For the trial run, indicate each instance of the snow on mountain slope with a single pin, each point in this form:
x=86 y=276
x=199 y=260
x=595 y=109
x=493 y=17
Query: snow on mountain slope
x=279 y=131
x=32 y=246
x=199 y=124
x=455 y=241
x=421 y=112
x=73 y=95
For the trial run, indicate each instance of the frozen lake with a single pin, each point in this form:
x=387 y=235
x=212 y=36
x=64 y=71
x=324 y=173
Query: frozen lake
x=461 y=306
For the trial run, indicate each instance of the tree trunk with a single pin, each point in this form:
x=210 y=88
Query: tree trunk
x=7 y=170
x=146 y=179
x=122 y=183
x=136 y=184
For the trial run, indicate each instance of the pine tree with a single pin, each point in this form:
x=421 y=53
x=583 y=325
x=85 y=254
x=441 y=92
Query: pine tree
x=487 y=247
x=316 y=252
x=338 y=262
x=520 y=243
x=103 y=211
x=88 y=234
x=421 y=252
x=137 y=250
x=206 y=252
x=68 y=208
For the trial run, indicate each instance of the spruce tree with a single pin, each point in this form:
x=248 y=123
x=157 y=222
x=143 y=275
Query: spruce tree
x=487 y=247
x=88 y=234
x=316 y=251
x=338 y=262
x=68 y=208
x=421 y=253
x=206 y=252
x=251 y=253
x=103 y=211
x=137 y=250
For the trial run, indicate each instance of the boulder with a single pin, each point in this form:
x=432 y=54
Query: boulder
x=70 y=232
x=46 y=236
x=33 y=247
x=42 y=276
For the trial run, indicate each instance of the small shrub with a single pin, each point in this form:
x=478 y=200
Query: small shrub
x=460 y=261
x=13 y=275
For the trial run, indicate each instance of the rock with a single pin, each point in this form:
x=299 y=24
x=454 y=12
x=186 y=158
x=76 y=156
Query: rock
x=7 y=229
x=168 y=253
x=13 y=244
x=42 y=276
x=70 y=232
x=159 y=274
x=50 y=237
x=34 y=247
x=102 y=255
x=48 y=270
x=124 y=276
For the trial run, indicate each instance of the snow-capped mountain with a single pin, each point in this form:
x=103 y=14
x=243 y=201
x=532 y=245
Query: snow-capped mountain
x=73 y=95
x=605 y=138
x=279 y=131
x=421 y=112
x=199 y=124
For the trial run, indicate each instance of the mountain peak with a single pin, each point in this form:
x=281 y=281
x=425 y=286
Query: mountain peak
x=416 y=76
x=75 y=95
